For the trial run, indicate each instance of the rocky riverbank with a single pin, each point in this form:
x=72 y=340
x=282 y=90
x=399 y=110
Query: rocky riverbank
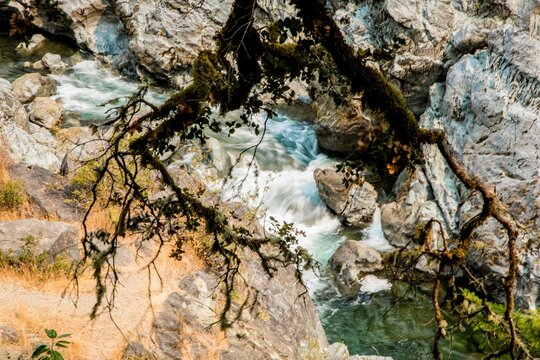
x=469 y=68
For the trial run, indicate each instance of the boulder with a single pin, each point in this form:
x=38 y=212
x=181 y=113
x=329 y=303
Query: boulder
x=35 y=147
x=36 y=42
x=354 y=204
x=29 y=86
x=12 y=110
x=39 y=236
x=342 y=129
x=53 y=63
x=352 y=260
x=46 y=112
x=414 y=206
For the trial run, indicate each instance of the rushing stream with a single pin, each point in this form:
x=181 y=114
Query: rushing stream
x=281 y=179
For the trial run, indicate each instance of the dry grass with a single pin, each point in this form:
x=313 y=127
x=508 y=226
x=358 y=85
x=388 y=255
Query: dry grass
x=24 y=210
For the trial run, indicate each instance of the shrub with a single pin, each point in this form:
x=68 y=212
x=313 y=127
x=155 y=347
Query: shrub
x=38 y=264
x=11 y=195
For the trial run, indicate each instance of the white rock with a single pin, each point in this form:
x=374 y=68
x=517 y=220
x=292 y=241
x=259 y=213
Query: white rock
x=53 y=62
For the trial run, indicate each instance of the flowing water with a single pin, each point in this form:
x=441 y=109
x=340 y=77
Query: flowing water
x=281 y=180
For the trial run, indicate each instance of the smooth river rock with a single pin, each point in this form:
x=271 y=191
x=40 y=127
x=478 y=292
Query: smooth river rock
x=354 y=204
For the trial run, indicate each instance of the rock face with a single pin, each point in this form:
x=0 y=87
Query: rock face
x=279 y=325
x=489 y=108
x=91 y=23
x=11 y=110
x=38 y=236
x=470 y=70
x=166 y=36
x=354 y=204
x=415 y=204
x=351 y=262
x=29 y=86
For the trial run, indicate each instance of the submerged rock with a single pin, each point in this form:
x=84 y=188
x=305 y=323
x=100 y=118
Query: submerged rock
x=351 y=262
x=354 y=204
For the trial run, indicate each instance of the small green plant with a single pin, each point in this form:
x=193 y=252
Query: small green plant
x=48 y=351
x=11 y=195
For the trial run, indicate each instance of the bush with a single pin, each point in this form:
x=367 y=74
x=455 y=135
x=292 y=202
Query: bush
x=38 y=264
x=12 y=195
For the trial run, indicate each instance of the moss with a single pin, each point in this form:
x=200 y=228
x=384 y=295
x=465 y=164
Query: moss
x=527 y=322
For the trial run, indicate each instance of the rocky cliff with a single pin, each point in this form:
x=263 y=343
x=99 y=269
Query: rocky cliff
x=468 y=68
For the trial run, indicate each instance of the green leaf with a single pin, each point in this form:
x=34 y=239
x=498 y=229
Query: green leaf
x=40 y=350
x=51 y=333
x=62 y=343
x=55 y=355
x=63 y=336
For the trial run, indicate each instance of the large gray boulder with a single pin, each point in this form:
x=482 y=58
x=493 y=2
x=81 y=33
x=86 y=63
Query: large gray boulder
x=39 y=236
x=29 y=86
x=354 y=204
x=351 y=262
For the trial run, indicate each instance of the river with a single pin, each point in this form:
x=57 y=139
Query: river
x=281 y=180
